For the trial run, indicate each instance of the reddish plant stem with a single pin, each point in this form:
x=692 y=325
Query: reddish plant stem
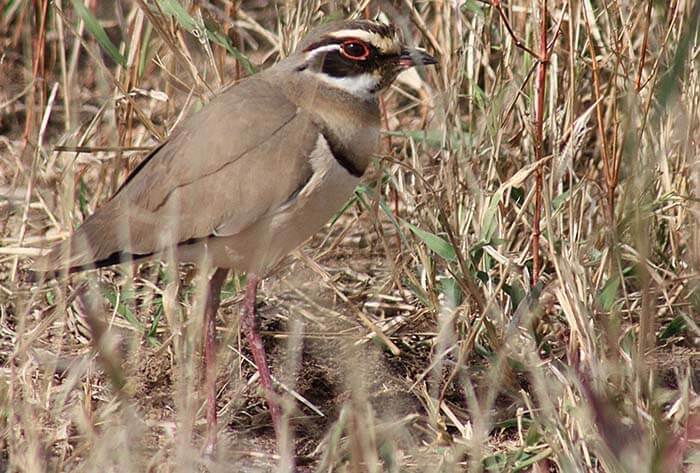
x=543 y=60
x=517 y=41
x=539 y=144
x=232 y=12
x=608 y=170
x=38 y=68
x=643 y=53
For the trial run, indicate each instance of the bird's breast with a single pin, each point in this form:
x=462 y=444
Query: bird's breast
x=330 y=186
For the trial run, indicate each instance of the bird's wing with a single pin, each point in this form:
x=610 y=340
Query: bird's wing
x=242 y=156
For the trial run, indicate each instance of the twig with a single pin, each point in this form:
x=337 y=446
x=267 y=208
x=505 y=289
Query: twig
x=609 y=183
x=539 y=144
x=38 y=68
x=517 y=41
x=542 y=57
x=643 y=53
x=420 y=24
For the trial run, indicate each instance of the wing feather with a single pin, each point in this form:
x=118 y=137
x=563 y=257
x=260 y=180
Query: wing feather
x=242 y=156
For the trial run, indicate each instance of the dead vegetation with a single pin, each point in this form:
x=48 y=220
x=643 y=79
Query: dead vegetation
x=515 y=289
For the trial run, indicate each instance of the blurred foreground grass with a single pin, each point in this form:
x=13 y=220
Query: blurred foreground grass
x=424 y=324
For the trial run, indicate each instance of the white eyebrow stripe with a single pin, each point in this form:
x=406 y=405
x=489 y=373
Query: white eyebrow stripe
x=359 y=34
x=322 y=49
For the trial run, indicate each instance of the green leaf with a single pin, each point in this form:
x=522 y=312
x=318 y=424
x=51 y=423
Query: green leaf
x=473 y=6
x=451 y=291
x=95 y=28
x=489 y=224
x=51 y=297
x=437 y=244
x=674 y=328
x=516 y=293
x=608 y=295
x=418 y=292
x=480 y=97
x=435 y=137
x=83 y=197
x=122 y=309
x=560 y=200
x=151 y=335
x=432 y=137
x=517 y=195
x=344 y=209
x=175 y=9
x=392 y=218
x=145 y=49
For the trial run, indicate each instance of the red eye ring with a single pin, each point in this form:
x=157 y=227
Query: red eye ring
x=355 y=49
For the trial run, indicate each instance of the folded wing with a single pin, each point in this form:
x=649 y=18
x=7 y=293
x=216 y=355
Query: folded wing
x=216 y=175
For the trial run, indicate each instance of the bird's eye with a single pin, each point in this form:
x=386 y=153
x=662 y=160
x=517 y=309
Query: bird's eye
x=355 y=50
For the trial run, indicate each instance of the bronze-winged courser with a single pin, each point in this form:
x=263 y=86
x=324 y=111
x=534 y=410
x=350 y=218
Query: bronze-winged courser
x=252 y=175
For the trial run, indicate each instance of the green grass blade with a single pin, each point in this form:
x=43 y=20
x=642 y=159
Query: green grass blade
x=437 y=244
x=186 y=21
x=96 y=30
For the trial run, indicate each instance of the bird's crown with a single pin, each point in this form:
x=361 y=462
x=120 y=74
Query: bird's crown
x=382 y=36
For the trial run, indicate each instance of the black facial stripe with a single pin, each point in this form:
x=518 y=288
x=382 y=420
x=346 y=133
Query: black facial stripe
x=339 y=63
x=336 y=64
x=339 y=154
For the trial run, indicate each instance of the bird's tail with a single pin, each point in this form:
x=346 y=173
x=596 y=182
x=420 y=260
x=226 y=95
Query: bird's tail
x=95 y=244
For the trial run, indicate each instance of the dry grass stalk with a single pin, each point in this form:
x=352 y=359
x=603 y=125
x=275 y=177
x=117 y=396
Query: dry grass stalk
x=414 y=323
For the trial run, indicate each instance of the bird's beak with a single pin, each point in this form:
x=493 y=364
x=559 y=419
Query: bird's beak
x=415 y=57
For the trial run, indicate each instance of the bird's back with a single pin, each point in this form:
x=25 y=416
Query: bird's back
x=211 y=173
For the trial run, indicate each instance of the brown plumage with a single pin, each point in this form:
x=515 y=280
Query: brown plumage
x=257 y=171
x=202 y=187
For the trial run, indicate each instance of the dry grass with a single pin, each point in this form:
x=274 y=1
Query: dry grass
x=517 y=288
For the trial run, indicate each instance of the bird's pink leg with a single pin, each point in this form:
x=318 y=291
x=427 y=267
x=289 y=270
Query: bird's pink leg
x=250 y=329
x=212 y=306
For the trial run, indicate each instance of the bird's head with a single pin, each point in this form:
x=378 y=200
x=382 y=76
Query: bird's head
x=361 y=57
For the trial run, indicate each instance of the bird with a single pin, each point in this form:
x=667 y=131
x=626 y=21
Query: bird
x=250 y=176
